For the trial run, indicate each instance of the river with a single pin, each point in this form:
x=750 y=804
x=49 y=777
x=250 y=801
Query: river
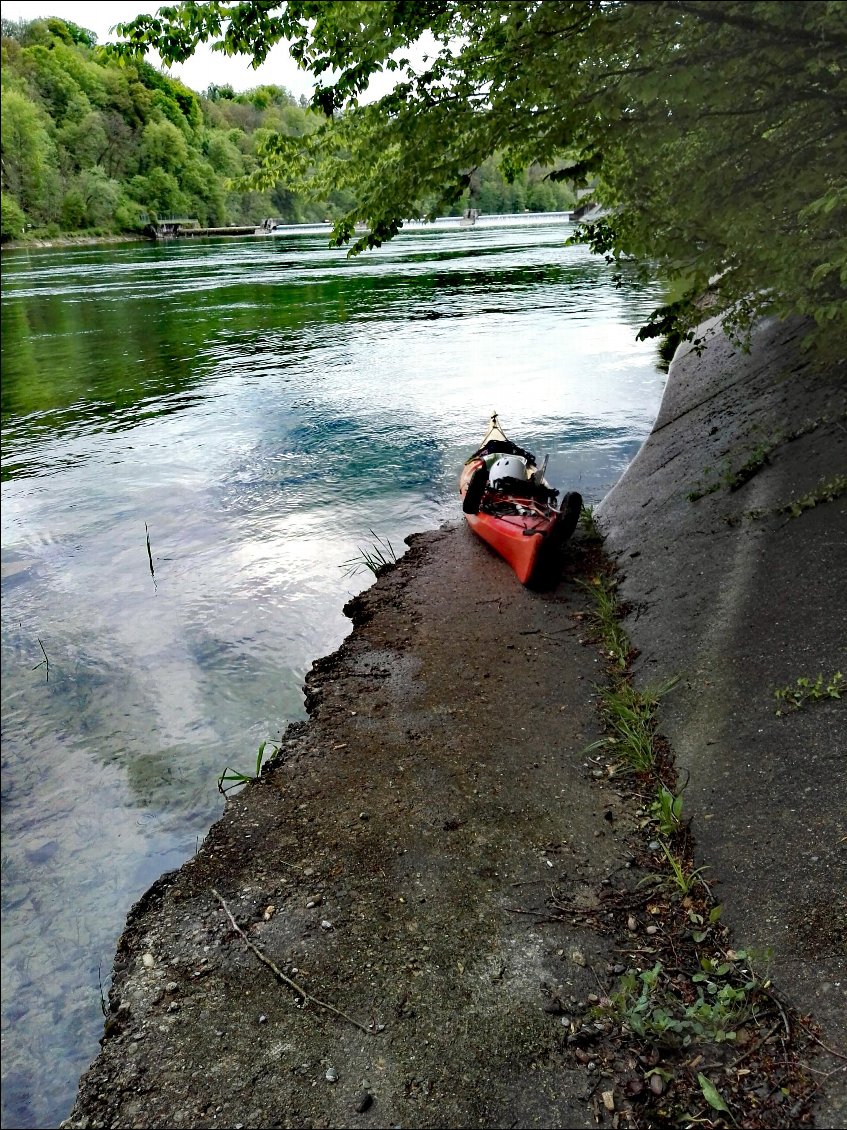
x=201 y=441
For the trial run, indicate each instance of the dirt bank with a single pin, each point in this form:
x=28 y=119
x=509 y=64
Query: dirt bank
x=435 y=856
x=433 y=800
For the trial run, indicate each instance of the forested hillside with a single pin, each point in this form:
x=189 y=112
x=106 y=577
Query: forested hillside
x=95 y=145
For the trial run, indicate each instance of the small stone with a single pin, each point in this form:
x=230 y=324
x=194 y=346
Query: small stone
x=331 y=1075
x=270 y=911
x=652 y=930
x=654 y=845
x=608 y=1098
x=631 y=924
x=578 y=958
x=657 y=1084
x=315 y=900
x=173 y=1006
x=326 y=924
x=172 y=986
x=263 y=1019
x=363 y=1101
x=148 y=961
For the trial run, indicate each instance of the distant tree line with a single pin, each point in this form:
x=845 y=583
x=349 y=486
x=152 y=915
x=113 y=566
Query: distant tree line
x=97 y=145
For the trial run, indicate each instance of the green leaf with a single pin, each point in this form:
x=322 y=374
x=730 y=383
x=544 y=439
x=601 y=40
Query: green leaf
x=711 y=1094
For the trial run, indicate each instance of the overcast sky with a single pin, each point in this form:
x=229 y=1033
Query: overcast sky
x=204 y=68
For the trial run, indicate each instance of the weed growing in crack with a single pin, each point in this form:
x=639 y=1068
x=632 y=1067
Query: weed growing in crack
x=681 y=877
x=666 y=811
x=586 y=517
x=654 y=1003
x=698 y=997
x=628 y=717
x=760 y=457
x=606 y=618
x=827 y=490
x=808 y=690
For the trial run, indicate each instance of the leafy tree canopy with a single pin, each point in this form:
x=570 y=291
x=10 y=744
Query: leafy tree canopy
x=712 y=131
x=97 y=144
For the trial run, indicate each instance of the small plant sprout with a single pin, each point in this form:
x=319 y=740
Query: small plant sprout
x=586 y=517
x=666 y=811
x=231 y=778
x=808 y=690
x=379 y=556
x=697 y=920
x=683 y=880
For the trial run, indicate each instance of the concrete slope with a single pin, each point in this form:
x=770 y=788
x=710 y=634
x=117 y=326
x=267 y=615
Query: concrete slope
x=740 y=598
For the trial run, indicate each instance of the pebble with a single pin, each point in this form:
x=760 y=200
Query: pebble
x=608 y=1098
x=578 y=958
x=631 y=924
x=315 y=900
x=326 y=924
x=148 y=961
x=363 y=1101
x=172 y=986
x=652 y=930
x=270 y=911
x=656 y=1084
x=654 y=845
x=331 y=1075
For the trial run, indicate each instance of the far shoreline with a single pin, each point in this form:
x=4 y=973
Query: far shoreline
x=71 y=241
x=67 y=240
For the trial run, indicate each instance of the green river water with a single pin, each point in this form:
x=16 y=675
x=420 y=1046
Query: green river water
x=263 y=409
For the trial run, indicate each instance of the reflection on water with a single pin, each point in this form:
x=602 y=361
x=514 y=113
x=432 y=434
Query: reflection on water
x=261 y=405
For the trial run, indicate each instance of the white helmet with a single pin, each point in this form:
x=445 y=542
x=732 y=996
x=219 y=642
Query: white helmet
x=507 y=467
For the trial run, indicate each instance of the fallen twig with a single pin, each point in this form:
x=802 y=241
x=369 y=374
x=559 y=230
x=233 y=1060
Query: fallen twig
x=277 y=972
x=755 y=1045
x=826 y=1047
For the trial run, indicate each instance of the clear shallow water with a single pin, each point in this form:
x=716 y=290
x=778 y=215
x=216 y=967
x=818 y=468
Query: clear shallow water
x=262 y=405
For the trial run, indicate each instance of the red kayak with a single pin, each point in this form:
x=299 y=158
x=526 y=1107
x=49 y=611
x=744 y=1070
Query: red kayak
x=507 y=501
